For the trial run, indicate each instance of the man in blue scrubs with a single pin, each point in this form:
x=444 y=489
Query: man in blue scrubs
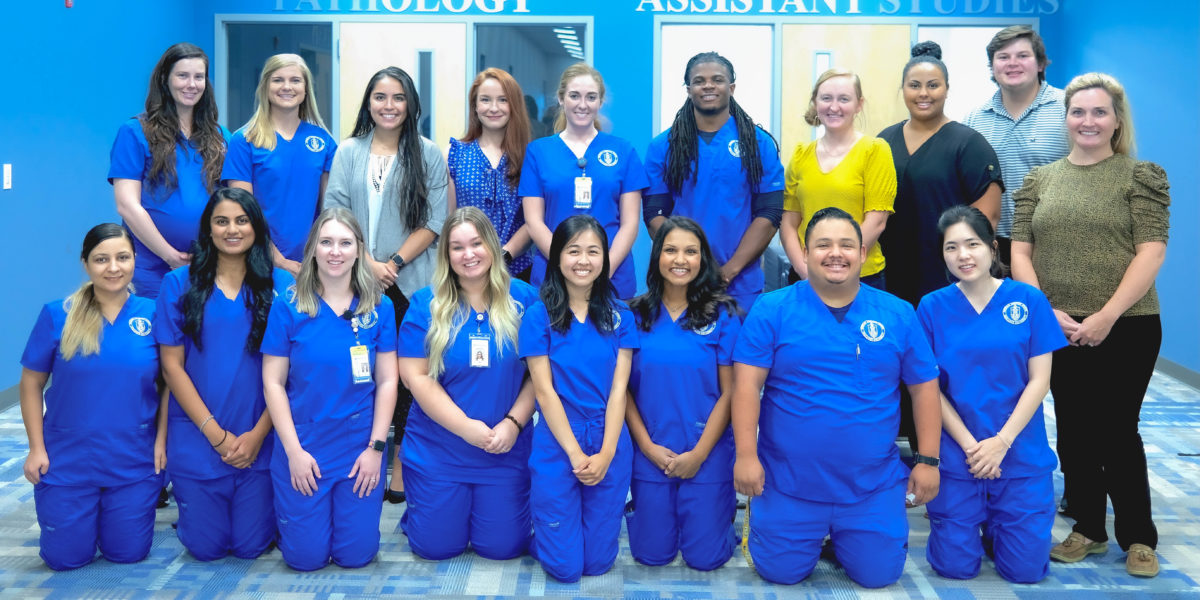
x=817 y=451
x=715 y=166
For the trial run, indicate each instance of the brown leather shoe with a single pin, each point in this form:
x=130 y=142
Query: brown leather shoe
x=1076 y=547
x=1141 y=561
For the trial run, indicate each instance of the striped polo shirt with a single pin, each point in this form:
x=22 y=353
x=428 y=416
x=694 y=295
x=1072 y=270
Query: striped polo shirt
x=1037 y=137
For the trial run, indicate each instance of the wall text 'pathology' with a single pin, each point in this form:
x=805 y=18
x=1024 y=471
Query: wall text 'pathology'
x=402 y=6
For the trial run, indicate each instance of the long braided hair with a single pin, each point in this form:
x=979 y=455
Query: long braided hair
x=682 y=148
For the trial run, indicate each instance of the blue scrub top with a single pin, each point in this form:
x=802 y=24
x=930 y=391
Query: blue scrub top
x=719 y=198
x=286 y=180
x=486 y=393
x=675 y=385
x=99 y=424
x=549 y=172
x=582 y=360
x=225 y=375
x=831 y=402
x=175 y=211
x=333 y=415
x=984 y=359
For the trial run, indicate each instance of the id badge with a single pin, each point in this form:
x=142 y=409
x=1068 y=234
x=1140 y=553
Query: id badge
x=360 y=363
x=583 y=193
x=480 y=351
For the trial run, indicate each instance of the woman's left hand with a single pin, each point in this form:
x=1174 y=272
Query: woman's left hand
x=684 y=465
x=596 y=468
x=366 y=469
x=160 y=454
x=504 y=435
x=985 y=457
x=1093 y=330
x=242 y=451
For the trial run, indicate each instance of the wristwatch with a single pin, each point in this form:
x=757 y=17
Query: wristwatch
x=378 y=445
x=508 y=257
x=921 y=459
x=398 y=261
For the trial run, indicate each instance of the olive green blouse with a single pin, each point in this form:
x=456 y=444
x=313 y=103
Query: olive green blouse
x=1085 y=222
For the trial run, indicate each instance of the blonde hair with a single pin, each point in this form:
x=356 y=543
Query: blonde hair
x=362 y=281
x=1122 y=139
x=85 y=320
x=259 y=130
x=448 y=309
x=810 y=115
x=578 y=69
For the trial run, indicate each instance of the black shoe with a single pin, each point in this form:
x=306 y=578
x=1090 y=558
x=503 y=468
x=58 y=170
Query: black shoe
x=741 y=505
x=394 y=497
x=164 y=499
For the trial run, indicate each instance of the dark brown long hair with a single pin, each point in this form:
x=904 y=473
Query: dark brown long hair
x=160 y=122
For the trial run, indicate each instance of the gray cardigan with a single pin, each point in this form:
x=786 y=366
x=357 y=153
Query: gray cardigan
x=350 y=187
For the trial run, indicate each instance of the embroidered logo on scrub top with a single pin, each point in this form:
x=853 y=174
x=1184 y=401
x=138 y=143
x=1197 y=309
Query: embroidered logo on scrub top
x=616 y=320
x=518 y=308
x=314 y=143
x=707 y=329
x=872 y=330
x=735 y=149
x=607 y=158
x=368 y=320
x=1015 y=312
x=140 y=326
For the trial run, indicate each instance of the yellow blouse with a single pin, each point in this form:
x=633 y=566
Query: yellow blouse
x=864 y=181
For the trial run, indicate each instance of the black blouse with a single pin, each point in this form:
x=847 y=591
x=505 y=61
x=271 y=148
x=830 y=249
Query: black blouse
x=954 y=166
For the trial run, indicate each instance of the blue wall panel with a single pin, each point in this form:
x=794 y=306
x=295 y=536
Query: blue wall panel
x=70 y=77
x=1153 y=54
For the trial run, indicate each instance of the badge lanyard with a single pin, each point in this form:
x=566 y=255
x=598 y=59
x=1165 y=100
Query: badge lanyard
x=583 y=186
x=360 y=355
x=480 y=351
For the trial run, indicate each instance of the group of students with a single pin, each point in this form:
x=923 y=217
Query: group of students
x=329 y=282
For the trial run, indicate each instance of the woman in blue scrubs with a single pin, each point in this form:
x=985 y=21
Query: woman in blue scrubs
x=994 y=340
x=329 y=377
x=96 y=454
x=583 y=170
x=485 y=164
x=210 y=323
x=578 y=342
x=466 y=447
x=681 y=381
x=395 y=183
x=165 y=162
x=283 y=155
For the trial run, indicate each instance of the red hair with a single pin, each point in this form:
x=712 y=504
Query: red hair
x=516 y=133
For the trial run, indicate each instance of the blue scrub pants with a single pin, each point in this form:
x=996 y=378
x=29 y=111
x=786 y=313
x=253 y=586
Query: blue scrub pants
x=576 y=527
x=870 y=537
x=1018 y=514
x=745 y=301
x=147 y=281
x=227 y=515
x=441 y=517
x=332 y=524
x=681 y=514
x=75 y=520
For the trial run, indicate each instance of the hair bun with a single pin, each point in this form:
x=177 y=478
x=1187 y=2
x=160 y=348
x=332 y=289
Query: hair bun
x=927 y=49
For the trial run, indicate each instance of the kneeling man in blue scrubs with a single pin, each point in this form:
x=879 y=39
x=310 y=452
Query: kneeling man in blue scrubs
x=817 y=453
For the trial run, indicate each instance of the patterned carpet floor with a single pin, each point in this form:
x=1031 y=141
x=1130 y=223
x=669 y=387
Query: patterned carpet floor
x=1170 y=428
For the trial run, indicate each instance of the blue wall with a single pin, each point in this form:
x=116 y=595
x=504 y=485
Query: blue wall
x=71 y=85
x=70 y=77
x=1154 y=56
